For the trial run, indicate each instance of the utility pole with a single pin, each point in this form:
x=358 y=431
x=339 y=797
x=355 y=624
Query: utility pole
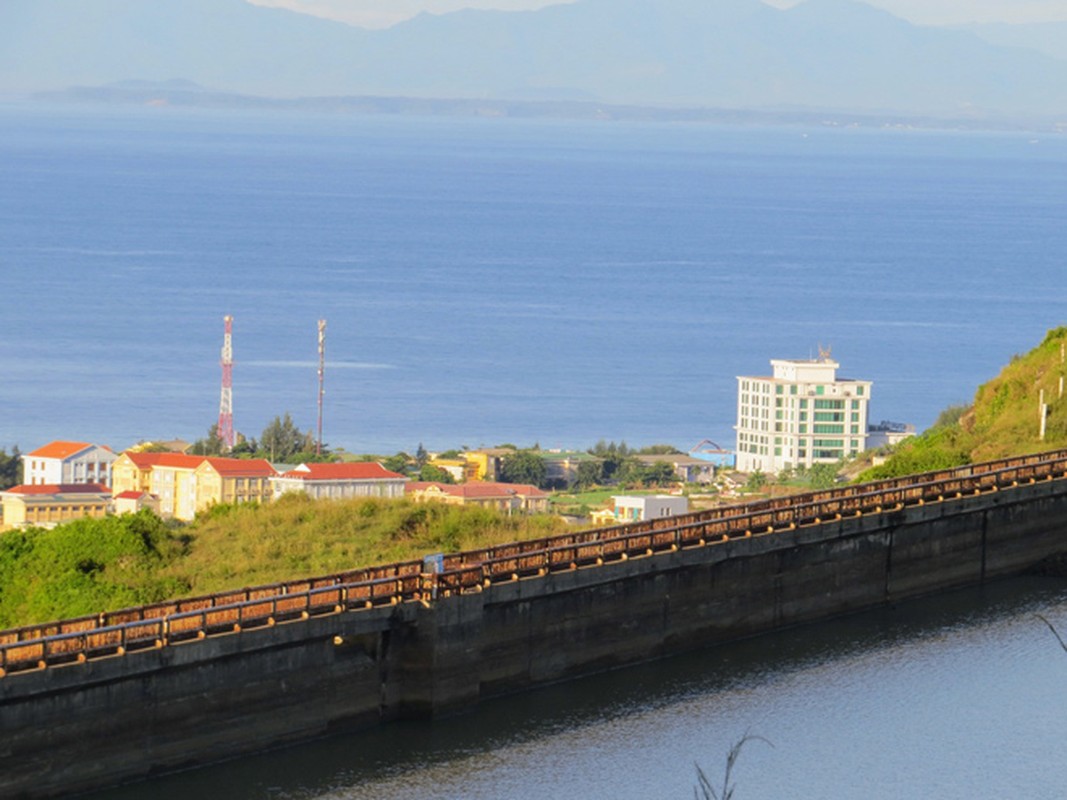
x=1043 y=409
x=322 y=372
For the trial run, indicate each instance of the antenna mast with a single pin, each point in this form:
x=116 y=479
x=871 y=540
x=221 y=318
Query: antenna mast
x=225 y=426
x=322 y=371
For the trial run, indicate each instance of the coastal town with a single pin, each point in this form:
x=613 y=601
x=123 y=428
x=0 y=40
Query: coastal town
x=799 y=417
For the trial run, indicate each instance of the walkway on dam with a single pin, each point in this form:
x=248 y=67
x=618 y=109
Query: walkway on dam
x=170 y=624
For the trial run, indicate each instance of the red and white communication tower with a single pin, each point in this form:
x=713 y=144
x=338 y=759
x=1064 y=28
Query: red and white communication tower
x=225 y=428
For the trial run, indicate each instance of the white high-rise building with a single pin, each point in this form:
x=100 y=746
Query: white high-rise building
x=799 y=416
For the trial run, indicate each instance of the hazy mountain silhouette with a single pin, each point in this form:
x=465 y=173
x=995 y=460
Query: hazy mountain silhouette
x=1049 y=38
x=833 y=54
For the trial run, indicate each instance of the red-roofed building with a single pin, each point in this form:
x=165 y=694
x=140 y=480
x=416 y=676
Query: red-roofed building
x=509 y=497
x=334 y=481
x=47 y=505
x=187 y=484
x=132 y=501
x=63 y=462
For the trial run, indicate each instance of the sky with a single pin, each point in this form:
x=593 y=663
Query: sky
x=383 y=13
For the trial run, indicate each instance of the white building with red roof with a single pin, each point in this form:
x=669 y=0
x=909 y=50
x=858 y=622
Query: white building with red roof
x=62 y=462
x=335 y=481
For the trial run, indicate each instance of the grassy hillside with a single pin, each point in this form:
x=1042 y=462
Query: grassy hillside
x=1003 y=420
x=94 y=565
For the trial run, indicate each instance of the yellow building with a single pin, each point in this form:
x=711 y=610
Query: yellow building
x=186 y=484
x=233 y=480
x=484 y=465
x=49 y=504
x=508 y=497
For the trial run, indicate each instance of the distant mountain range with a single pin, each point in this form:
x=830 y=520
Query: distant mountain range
x=820 y=55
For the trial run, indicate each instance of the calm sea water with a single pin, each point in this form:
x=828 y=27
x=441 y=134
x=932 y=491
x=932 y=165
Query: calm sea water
x=491 y=280
x=955 y=697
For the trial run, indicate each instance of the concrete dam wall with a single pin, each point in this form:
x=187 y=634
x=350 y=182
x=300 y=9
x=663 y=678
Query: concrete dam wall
x=78 y=711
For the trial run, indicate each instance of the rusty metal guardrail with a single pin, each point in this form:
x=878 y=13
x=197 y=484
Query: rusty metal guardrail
x=163 y=624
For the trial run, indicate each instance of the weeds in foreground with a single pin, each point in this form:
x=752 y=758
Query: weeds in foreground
x=1055 y=632
x=706 y=790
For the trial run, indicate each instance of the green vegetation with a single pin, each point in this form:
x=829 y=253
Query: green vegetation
x=95 y=565
x=524 y=466
x=10 y=468
x=281 y=441
x=1004 y=419
x=86 y=567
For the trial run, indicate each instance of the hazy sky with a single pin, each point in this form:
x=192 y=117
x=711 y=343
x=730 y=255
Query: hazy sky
x=382 y=13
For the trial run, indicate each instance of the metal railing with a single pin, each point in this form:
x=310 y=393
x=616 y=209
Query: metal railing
x=178 y=621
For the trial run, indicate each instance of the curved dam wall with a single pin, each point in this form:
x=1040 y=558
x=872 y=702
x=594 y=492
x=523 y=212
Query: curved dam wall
x=124 y=716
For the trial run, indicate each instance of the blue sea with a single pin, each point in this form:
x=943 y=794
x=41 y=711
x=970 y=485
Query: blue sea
x=489 y=281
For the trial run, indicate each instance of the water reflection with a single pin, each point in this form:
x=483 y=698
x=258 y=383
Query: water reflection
x=958 y=695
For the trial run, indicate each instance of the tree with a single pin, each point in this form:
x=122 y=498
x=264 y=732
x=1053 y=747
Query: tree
x=659 y=450
x=282 y=440
x=421 y=456
x=822 y=476
x=435 y=474
x=756 y=481
x=212 y=445
x=661 y=473
x=10 y=468
x=590 y=473
x=398 y=463
x=525 y=466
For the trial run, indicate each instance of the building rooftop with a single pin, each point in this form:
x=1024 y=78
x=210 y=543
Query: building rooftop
x=60 y=449
x=58 y=488
x=478 y=489
x=352 y=471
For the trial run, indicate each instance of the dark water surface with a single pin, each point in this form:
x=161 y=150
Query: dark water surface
x=499 y=280
x=962 y=695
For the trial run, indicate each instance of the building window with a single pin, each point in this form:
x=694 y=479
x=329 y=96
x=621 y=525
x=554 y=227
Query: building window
x=803 y=428
x=859 y=391
x=793 y=389
x=820 y=389
x=829 y=429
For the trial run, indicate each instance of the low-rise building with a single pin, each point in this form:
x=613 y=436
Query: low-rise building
x=561 y=468
x=510 y=497
x=484 y=464
x=187 y=484
x=47 y=505
x=637 y=508
x=455 y=467
x=888 y=434
x=62 y=462
x=132 y=501
x=336 y=481
x=687 y=469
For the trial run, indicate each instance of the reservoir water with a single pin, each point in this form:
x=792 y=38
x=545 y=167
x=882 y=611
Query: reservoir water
x=961 y=695
x=500 y=280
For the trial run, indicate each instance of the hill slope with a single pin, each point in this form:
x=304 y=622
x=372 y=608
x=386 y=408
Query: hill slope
x=829 y=54
x=1004 y=419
